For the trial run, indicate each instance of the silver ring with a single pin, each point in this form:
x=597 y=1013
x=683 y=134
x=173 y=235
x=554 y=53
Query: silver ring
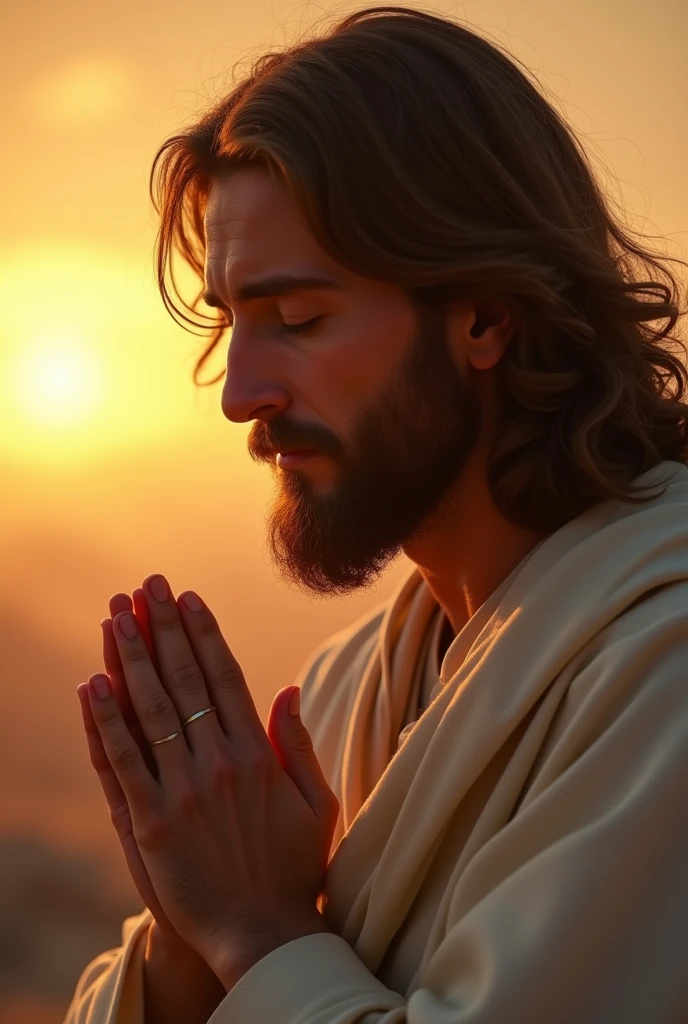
x=173 y=735
x=152 y=743
x=198 y=714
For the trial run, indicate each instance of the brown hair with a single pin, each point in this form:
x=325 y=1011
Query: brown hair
x=422 y=156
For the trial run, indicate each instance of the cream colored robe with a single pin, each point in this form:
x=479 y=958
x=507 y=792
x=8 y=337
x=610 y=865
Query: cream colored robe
x=520 y=854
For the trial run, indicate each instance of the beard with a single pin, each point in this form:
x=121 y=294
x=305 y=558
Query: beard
x=395 y=481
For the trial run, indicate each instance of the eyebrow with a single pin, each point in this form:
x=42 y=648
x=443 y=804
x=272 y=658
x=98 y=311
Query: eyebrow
x=278 y=284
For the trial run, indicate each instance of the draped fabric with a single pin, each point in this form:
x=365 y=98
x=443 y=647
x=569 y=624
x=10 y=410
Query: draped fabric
x=518 y=853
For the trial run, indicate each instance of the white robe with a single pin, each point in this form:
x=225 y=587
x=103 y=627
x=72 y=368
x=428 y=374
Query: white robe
x=519 y=855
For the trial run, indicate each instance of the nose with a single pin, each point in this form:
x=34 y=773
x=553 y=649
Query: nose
x=251 y=389
x=257 y=403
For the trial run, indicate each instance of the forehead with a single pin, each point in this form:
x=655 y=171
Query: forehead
x=253 y=226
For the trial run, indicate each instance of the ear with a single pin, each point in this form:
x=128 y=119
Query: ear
x=490 y=329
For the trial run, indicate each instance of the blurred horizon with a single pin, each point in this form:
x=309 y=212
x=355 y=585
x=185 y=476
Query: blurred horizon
x=114 y=464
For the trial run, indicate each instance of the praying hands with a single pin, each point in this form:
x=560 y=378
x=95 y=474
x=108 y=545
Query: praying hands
x=226 y=829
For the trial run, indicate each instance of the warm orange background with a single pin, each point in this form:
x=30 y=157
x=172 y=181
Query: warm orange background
x=113 y=465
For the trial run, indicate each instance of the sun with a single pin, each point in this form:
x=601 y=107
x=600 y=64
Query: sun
x=91 y=365
x=59 y=382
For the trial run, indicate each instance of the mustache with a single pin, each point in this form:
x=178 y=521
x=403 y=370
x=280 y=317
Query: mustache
x=263 y=448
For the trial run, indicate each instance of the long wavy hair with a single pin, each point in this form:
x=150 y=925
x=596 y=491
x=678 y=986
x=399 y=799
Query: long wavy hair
x=421 y=155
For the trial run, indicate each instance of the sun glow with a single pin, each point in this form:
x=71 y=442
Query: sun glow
x=90 y=363
x=58 y=380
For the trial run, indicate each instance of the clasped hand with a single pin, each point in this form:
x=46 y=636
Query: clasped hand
x=225 y=829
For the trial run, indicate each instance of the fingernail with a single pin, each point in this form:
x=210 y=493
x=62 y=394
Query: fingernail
x=127 y=625
x=192 y=601
x=158 y=588
x=101 y=686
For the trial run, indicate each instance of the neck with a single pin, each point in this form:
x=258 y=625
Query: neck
x=472 y=552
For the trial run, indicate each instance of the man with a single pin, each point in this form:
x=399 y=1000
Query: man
x=507 y=735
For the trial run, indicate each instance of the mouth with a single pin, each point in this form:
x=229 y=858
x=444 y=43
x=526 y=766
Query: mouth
x=294 y=457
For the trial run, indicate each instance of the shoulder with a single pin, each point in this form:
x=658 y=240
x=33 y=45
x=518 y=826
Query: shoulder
x=645 y=648
x=624 y=711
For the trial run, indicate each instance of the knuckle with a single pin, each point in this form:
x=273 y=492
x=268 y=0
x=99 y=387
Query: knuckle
x=158 y=708
x=223 y=771
x=186 y=678
x=261 y=763
x=135 y=654
x=109 y=718
x=152 y=832
x=121 y=818
x=124 y=756
x=208 y=627
x=301 y=741
x=187 y=801
x=228 y=676
x=168 y=626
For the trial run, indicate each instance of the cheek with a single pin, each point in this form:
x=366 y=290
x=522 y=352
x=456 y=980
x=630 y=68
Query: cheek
x=369 y=351
x=350 y=363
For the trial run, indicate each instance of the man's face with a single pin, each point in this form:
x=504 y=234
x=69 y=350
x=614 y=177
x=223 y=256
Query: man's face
x=372 y=386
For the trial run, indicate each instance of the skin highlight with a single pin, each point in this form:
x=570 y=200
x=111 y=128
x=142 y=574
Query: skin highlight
x=400 y=404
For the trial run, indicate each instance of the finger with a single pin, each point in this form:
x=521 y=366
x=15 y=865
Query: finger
x=119 y=603
x=154 y=707
x=143 y=619
x=114 y=794
x=140 y=789
x=118 y=806
x=225 y=680
x=113 y=667
x=123 y=603
x=180 y=671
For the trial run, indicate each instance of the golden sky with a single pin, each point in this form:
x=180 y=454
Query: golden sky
x=113 y=465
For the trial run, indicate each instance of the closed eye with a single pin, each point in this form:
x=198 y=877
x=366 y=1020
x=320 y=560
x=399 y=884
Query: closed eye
x=298 y=328
x=287 y=328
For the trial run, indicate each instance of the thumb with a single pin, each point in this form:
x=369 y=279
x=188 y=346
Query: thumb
x=294 y=747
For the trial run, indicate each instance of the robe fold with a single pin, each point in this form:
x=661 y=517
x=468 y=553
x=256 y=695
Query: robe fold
x=518 y=853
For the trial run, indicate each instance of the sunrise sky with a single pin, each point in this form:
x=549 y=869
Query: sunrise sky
x=113 y=464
